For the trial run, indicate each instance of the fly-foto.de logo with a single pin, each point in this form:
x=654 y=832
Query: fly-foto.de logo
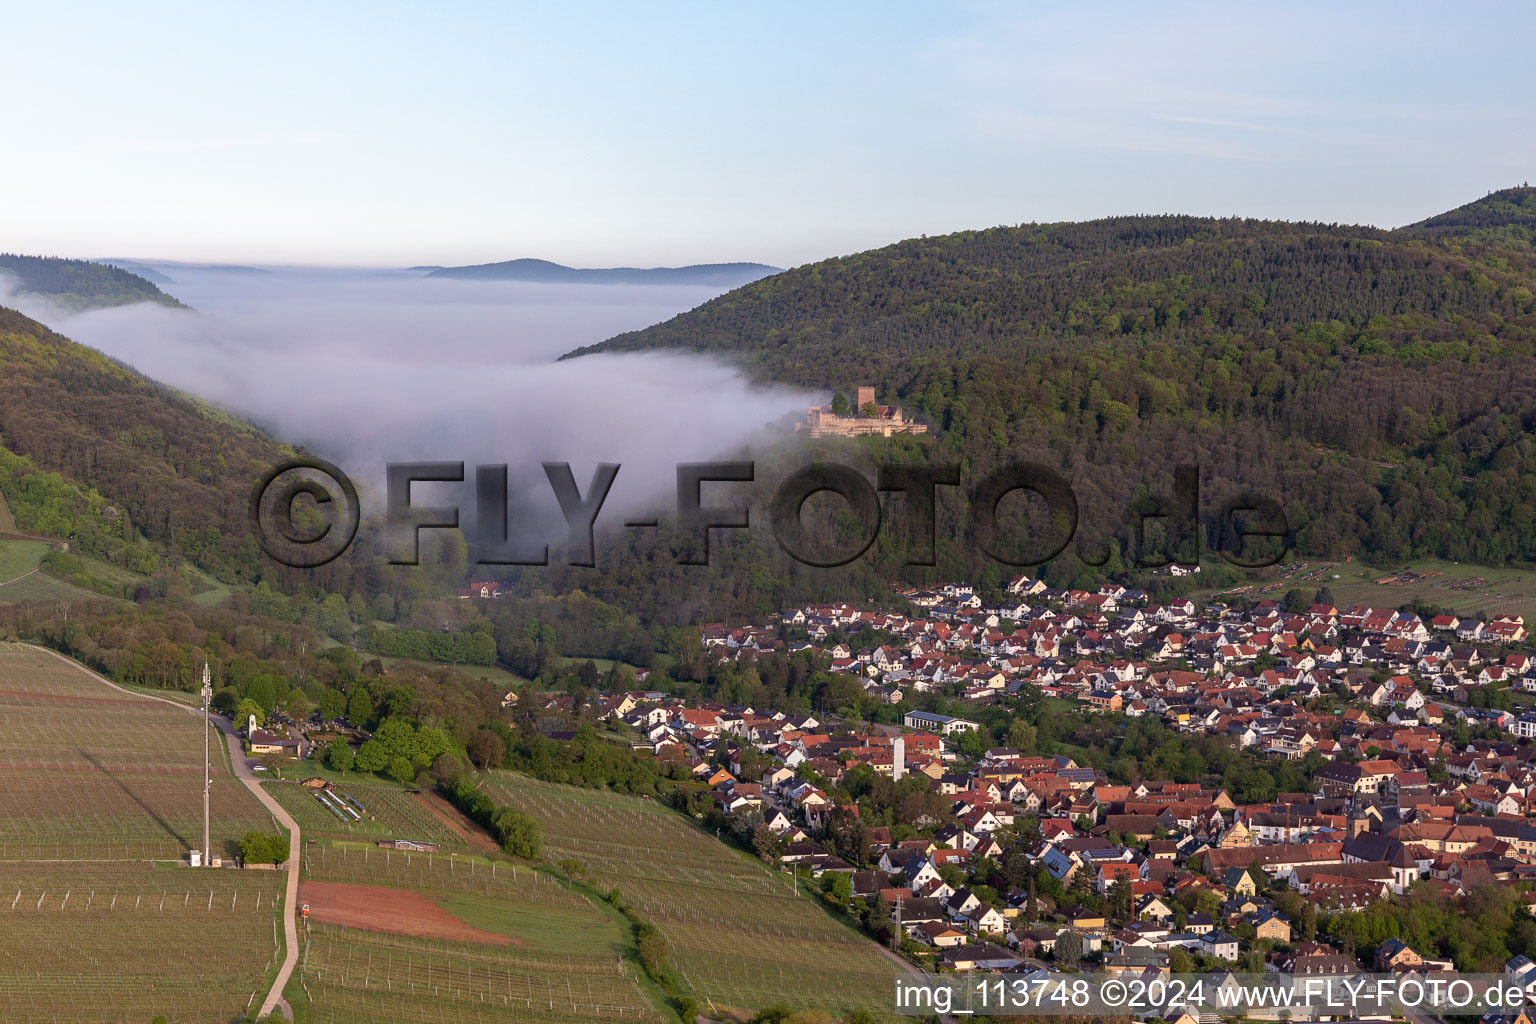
x=1251 y=529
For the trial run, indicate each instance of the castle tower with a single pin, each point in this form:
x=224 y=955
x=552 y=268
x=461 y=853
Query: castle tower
x=866 y=396
x=898 y=759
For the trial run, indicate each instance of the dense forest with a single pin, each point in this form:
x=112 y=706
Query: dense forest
x=91 y=450
x=1380 y=384
x=79 y=284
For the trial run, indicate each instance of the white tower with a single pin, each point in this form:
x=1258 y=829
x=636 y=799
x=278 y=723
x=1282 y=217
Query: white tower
x=207 y=779
x=898 y=759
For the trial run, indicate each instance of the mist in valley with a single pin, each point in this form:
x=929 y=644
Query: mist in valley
x=366 y=367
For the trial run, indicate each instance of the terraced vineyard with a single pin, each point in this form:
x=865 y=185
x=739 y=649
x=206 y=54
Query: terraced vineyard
x=124 y=942
x=389 y=813
x=563 y=961
x=739 y=934
x=95 y=786
x=90 y=772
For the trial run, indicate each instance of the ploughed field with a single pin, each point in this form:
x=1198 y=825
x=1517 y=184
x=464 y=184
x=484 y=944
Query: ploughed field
x=737 y=931
x=100 y=799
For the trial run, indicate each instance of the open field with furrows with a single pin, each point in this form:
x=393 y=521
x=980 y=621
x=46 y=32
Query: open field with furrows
x=383 y=812
x=1464 y=588
x=89 y=772
x=738 y=933
x=122 y=942
x=565 y=961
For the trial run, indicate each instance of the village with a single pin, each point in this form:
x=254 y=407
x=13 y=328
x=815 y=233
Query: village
x=1422 y=777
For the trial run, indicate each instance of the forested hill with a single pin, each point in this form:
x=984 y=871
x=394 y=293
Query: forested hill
x=90 y=449
x=1506 y=218
x=717 y=275
x=79 y=284
x=1383 y=381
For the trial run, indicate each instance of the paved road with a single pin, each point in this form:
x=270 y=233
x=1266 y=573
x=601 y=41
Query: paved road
x=241 y=763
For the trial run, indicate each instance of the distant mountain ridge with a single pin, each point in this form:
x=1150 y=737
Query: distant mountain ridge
x=727 y=275
x=80 y=284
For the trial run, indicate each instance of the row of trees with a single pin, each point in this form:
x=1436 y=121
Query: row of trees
x=518 y=833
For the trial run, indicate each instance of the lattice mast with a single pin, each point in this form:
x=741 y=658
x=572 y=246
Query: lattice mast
x=207 y=776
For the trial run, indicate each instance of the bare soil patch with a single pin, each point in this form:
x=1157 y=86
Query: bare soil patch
x=398 y=911
x=456 y=820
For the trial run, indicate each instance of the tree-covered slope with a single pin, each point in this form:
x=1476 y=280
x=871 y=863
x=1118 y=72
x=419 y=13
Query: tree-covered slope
x=79 y=284
x=1382 y=382
x=90 y=449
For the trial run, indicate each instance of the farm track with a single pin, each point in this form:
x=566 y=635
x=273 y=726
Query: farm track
x=274 y=998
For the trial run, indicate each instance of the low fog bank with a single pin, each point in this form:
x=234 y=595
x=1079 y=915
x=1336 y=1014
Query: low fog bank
x=370 y=367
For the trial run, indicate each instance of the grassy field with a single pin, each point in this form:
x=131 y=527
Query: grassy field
x=40 y=586
x=566 y=961
x=19 y=557
x=100 y=797
x=500 y=676
x=1463 y=587
x=739 y=934
x=215 y=591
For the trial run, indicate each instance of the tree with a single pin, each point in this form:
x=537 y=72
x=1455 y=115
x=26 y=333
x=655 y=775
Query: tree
x=487 y=749
x=1121 y=900
x=371 y=757
x=1069 y=947
x=298 y=706
x=765 y=844
x=263 y=848
x=869 y=409
x=384 y=608
x=447 y=766
x=401 y=769
x=839 y=404
x=359 y=706
x=520 y=835
x=332 y=705
x=431 y=743
x=265 y=690
x=338 y=755
x=275 y=762
x=398 y=737
x=1022 y=736
x=247 y=709
x=1306 y=922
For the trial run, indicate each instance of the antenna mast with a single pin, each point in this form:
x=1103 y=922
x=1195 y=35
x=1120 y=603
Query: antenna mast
x=207 y=780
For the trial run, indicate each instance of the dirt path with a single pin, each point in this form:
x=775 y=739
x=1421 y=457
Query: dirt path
x=18 y=579
x=274 y=999
x=460 y=825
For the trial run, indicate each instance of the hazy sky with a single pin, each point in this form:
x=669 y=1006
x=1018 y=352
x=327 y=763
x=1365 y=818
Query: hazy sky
x=600 y=134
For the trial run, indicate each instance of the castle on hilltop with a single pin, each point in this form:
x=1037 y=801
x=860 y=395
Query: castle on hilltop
x=863 y=416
